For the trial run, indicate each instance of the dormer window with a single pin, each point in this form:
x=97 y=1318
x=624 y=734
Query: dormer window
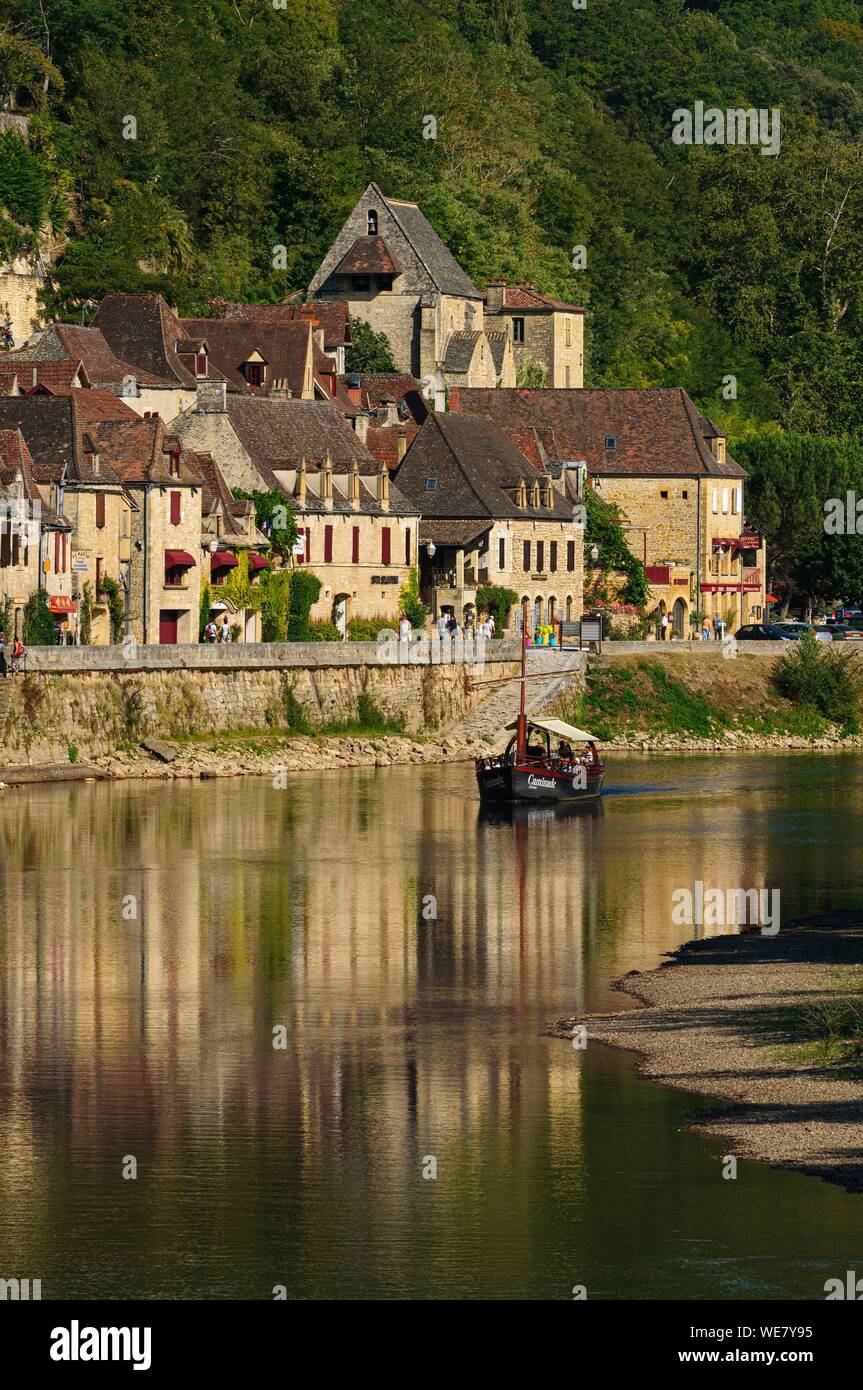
x=522 y=497
x=361 y=282
x=254 y=373
x=373 y=222
x=611 y=441
x=200 y=364
x=174 y=463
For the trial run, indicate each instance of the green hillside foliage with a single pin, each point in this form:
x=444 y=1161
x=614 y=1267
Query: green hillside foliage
x=258 y=127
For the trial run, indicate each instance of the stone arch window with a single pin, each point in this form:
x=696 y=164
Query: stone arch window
x=569 y=608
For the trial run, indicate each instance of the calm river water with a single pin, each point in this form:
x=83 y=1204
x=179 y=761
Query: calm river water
x=152 y=937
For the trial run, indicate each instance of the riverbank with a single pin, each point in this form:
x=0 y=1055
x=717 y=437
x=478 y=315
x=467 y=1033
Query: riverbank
x=770 y=1024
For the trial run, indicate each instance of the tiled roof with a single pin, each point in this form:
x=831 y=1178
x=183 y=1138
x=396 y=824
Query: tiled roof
x=139 y=452
x=375 y=387
x=498 y=343
x=382 y=442
x=333 y=315
x=657 y=432
x=217 y=497
x=476 y=467
x=15 y=458
x=65 y=342
x=453 y=532
x=283 y=346
x=278 y=433
x=369 y=255
x=460 y=349
x=33 y=373
x=141 y=329
x=441 y=264
x=526 y=297
x=55 y=427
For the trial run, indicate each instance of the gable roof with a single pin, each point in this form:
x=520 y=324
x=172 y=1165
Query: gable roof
x=139 y=452
x=658 y=432
x=141 y=329
x=278 y=433
x=442 y=266
x=32 y=373
x=55 y=427
x=15 y=458
x=375 y=387
x=333 y=315
x=285 y=348
x=460 y=348
x=474 y=464
x=369 y=255
x=525 y=297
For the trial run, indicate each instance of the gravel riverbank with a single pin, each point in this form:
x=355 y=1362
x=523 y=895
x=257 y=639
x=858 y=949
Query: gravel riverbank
x=729 y=1017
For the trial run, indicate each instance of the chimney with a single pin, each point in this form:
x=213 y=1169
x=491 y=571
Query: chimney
x=211 y=398
x=362 y=428
x=402 y=444
x=354 y=495
x=383 y=487
x=354 y=388
x=495 y=293
x=327 y=483
x=392 y=414
x=452 y=400
x=301 y=484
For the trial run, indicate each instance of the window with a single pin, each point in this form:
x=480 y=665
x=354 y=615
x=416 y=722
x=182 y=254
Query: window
x=566 y=380
x=373 y=222
x=663 y=494
x=308 y=555
x=200 y=364
x=328 y=545
x=540 y=556
x=175 y=577
x=385 y=545
x=518 y=330
x=16 y=548
x=174 y=464
x=570 y=556
x=567 y=324
x=735 y=501
x=100 y=509
x=525 y=559
x=56 y=552
x=175 y=508
x=407 y=545
x=361 y=282
x=725 y=499
x=99 y=563
x=501 y=552
x=552 y=556
x=611 y=441
x=385 y=282
x=255 y=373
x=355 y=546
x=715 y=501
x=685 y=494
x=431 y=484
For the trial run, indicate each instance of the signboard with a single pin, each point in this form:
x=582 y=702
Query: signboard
x=385 y=579
x=299 y=546
x=80 y=564
x=591 y=630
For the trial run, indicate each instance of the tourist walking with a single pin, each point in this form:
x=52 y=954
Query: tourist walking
x=666 y=623
x=210 y=633
x=717 y=628
x=442 y=626
x=404 y=628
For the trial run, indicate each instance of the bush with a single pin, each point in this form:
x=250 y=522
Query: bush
x=115 y=598
x=38 y=623
x=322 y=630
x=412 y=606
x=275 y=605
x=305 y=588
x=818 y=678
x=367 y=629
x=494 y=598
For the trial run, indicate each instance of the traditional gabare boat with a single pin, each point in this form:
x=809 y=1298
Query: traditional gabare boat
x=531 y=768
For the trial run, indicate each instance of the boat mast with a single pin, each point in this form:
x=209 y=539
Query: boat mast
x=521 y=726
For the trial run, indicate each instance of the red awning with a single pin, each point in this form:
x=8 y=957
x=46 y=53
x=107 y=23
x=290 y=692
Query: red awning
x=258 y=562
x=60 y=604
x=223 y=560
x=178 y=559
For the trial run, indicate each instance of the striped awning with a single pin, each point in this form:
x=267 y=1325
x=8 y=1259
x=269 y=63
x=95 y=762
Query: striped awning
x=178 y=559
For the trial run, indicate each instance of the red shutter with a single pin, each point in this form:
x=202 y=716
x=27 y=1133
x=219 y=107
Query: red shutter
x=175 y=508
x=65 y=539
x=328 y=545
x=308 y=545
x=385 y=545
x=100 y=509
x=355 y=546
x=407 y=545
x=56 y=552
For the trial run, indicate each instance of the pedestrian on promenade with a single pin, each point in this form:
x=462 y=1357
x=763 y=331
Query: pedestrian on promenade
x=404 y=628
x=665 y=624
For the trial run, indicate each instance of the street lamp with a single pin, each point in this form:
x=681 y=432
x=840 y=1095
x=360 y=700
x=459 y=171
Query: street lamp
x=431 y=549
x=594 y=553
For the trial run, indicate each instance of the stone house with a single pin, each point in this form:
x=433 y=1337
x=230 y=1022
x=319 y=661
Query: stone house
x=91 y=507
x=165 y=483
x=357 y=533
x=392 y=269
x=489 y=516
x=668 y=469
x=229 y=532
x=25 y=530
x=332 y=315
x=540 y=329
x=72 y=348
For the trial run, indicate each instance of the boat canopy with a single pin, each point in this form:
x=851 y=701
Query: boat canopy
x=557 y=726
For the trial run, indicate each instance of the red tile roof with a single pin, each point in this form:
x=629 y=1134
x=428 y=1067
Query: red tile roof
x=526 y=297
x=369 y=255
x=333 y=315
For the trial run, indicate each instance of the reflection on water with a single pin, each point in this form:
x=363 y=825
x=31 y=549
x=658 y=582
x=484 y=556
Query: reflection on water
x=153 y=937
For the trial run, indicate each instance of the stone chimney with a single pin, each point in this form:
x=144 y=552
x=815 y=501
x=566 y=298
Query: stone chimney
x=383 y=487
x=452 y=402
x=392 y=414
x=361 y=425
x=495 y=293
x=402 y=444
x=301 y=484
x=327 y=483
x=211 y=398
x=354 y=494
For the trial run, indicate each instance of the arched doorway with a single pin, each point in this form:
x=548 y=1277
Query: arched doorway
x=678 y=618
x=551 y=609
x=569 y=608
x=340 y=614
x=537 y=612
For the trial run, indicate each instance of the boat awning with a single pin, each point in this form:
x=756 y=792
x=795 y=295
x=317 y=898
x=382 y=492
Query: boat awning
x=559 y=727
x=178 y=559
x=258 y=562
x=223 y=560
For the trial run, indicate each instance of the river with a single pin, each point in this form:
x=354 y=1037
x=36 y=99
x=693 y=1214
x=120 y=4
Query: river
x=156 y=940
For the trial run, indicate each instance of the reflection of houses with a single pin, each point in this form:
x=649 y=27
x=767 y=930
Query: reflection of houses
x=232 y=542
x=358 y=533
x=490 y=517
x=391 y=267
x=667 y=468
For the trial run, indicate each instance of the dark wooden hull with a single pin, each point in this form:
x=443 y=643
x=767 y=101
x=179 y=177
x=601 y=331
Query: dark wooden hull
x=511 y=783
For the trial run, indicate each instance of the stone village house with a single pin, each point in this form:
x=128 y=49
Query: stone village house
x=490 y=517
x=667 y=467
x=26 y=530
x=358 y=533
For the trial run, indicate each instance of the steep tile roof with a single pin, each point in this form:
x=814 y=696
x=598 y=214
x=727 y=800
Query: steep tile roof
x=460 y=348
x=369 y=255
x=141 y=329
x=55 y=427
x=283 y=347
x=657 y=432
x=526 y=297
x=32 y=373
x=476 y=467
x=278 y=433
x=375 y=387
x=140 y=451
x=14 y=458
x=442 y=266
x=333 y=315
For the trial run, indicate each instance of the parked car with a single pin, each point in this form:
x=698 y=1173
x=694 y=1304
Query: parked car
x=765 y=632
x=846 y=632
x=821 y=632
x=829 y=634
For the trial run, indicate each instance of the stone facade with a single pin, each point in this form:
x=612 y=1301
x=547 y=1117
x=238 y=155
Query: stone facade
x=155 y=602
x=99 y=547
x=542 y=330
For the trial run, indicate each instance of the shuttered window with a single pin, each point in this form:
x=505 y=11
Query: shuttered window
x=570 y=556
x=552 y=556
x=385 y=545
x=175 y=508
x=540 y=556
x=100 y=509
x=355 y=546
x=525 y=560
x=328 y=545
x=407 y=545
